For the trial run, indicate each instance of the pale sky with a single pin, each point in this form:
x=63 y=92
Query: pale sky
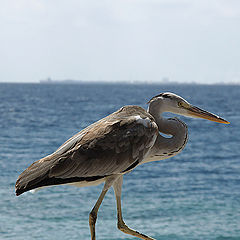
x=184 y=40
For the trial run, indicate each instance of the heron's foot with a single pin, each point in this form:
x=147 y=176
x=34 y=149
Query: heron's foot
x=124 y=228
x=92 y=222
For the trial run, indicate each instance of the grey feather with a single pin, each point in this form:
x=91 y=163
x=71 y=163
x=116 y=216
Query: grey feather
x=109 y=146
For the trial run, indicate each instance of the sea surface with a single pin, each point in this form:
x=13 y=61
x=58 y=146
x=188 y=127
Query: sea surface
x=192 y=196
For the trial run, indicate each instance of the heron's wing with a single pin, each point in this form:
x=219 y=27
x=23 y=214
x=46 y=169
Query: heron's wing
x=112 y=145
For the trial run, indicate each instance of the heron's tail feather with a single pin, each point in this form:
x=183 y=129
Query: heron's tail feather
x=40 y=174
x=34 y=176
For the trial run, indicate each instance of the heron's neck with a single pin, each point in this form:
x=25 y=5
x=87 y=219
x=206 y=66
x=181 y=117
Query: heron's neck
x=167 y=147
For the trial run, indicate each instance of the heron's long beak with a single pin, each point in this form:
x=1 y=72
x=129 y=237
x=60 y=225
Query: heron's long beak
x=199 y=113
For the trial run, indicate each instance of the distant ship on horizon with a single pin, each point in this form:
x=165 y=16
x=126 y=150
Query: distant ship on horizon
x=66 y=81
x=50 y=80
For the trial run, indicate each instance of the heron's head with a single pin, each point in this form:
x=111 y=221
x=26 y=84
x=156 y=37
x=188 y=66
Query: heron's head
x=170 y=102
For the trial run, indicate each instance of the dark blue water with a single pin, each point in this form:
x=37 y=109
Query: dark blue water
x=195 y=195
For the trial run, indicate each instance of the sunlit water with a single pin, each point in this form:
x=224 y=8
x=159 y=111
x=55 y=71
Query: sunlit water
x=195 y=195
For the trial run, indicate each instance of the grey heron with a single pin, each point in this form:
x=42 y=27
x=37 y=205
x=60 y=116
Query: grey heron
x=114 y=146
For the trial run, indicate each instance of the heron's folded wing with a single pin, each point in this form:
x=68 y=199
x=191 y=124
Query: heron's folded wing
x=104 y=148
x=112 y=152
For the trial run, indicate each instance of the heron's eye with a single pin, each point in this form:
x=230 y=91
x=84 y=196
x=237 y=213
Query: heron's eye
x=180 y=104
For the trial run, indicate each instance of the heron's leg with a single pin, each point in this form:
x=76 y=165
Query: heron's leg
x=93 y=213
x=117 y=185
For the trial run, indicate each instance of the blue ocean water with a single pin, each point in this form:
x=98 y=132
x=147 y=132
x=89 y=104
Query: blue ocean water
x=195 y=195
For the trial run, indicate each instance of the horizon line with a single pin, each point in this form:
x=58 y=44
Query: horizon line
x=149 y=82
